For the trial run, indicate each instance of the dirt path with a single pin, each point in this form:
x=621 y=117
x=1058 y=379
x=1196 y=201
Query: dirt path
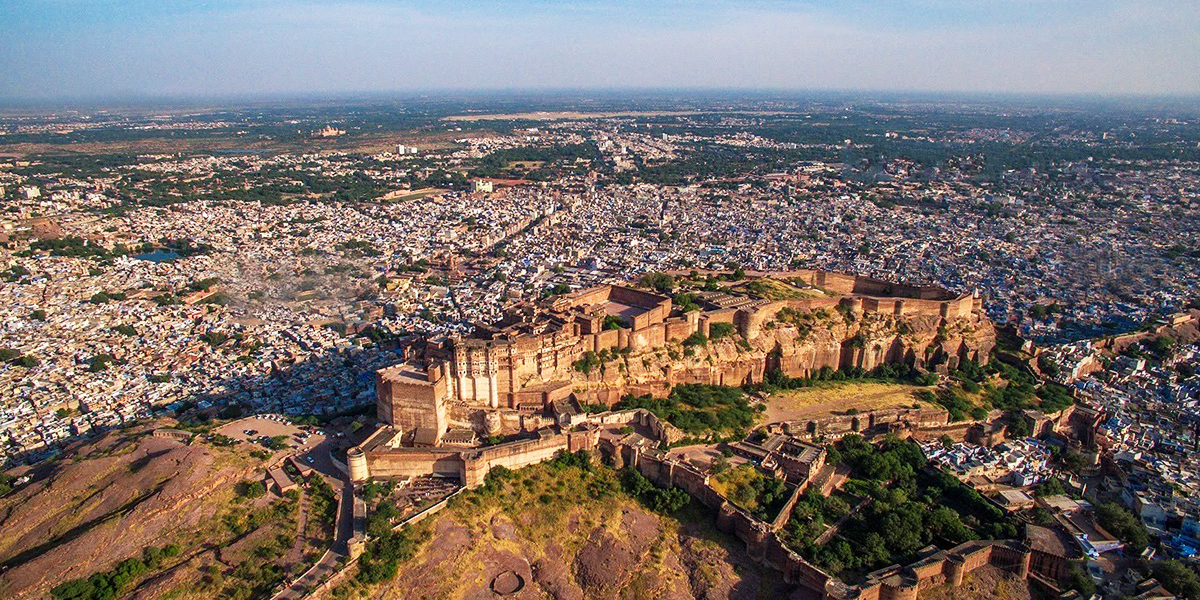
x=297 y=551
x=832 y=531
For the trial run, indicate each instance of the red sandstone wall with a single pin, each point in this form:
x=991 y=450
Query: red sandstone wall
x=513 y=455
x=585 y=297
x=677 y=330
x=650 y=337
x=760 y=542
x=414 y=463
x=722 y=316
x=605 y=340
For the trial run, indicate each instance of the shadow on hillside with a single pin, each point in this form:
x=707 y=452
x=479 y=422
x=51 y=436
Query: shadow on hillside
x=698 y=521
x=325 y=385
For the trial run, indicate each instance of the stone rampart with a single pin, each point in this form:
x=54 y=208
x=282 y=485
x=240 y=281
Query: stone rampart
x=513 y=455
x=940 y=567
x=414 y=462
x=838 y=425
x=762 y=542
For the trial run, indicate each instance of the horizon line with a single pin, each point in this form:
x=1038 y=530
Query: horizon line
x=148 y=100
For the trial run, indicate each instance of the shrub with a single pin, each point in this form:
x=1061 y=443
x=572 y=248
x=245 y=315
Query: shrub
x=659 y=500
x=251 y=489
x=696 y=339
x=589 y=361
x=717 y=331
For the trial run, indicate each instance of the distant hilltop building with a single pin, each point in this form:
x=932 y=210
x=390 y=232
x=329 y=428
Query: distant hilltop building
x=30 y=192
x=330 y=131
x=482 y=186
x=401 y=149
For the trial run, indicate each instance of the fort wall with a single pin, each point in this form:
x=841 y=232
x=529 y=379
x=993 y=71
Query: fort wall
x=513 y=455
x=762 y=542
x=940 y=567
x=412 y=462
x=495 y=372
x=677 y=330
x=836 y=426
x=471 y=466
x=411 y=399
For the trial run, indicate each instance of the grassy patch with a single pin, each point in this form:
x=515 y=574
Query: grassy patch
x=838 y=397
x=754 y=491
x=773 y=290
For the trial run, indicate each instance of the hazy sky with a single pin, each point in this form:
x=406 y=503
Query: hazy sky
x=105 y=48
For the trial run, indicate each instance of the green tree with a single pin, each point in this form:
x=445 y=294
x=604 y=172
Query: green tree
x=657 y=280
x=1049 y=487
x=717 y=331
x=1178 y=578
x=1123 y=524
x=1079 y=580
x=1017 y=427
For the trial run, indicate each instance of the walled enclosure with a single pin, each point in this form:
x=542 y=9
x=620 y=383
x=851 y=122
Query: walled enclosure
x=529 y=358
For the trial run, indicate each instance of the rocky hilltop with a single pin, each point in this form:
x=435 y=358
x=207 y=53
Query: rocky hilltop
x=600 y=344
x=106 y=500
x=797 y=340
x=572 y=534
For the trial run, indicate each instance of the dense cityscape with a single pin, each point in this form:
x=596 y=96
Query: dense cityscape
x=138 y=283
x=294 y=279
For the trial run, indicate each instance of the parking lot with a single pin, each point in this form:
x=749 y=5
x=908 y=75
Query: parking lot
x=254 y=429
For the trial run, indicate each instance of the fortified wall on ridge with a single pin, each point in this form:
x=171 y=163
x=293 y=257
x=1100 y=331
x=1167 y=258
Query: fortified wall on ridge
x=596 y=434
x=532 y=371
x=599 y=344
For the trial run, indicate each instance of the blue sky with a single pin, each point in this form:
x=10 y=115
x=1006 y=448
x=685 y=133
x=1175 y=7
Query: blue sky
x=112 y=48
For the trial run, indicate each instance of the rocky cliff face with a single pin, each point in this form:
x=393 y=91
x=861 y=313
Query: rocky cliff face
x=798 y=343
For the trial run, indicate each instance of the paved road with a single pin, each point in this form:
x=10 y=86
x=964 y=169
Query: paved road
x=344 y=529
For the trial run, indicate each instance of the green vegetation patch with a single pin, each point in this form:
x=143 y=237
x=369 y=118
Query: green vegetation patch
x=886 y=373
x=1177 y=577
x=112 y=583
x=905 y=506
x=717 y=331
x=703 y=411
x=773 y=290
x=1123 y=524
x=659 y=282
x=754 y=491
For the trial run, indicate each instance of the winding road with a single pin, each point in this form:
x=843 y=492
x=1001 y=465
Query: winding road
x=344 y=528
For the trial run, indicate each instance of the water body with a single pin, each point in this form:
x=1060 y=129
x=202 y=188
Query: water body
x=157 y=256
